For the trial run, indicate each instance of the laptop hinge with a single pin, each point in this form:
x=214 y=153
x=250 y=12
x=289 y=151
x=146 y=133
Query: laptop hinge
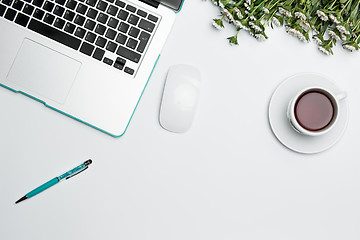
x=152 y=3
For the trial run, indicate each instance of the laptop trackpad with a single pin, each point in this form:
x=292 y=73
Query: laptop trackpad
x=44 y=71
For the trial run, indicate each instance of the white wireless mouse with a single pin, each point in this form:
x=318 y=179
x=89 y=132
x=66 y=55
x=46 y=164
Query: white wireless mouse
x=180 y=98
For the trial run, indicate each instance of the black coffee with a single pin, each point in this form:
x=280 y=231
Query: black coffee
x=314 y=111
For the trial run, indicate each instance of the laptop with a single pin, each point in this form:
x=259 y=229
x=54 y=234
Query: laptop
x=88 y=59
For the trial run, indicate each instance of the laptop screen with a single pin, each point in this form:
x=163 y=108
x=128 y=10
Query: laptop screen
x=174 y=4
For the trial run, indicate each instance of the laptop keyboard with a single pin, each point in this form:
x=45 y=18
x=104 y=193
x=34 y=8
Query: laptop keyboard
x=111 y=31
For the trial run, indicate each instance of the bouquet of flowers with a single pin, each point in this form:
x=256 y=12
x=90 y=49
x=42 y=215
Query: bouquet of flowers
x=327 y=22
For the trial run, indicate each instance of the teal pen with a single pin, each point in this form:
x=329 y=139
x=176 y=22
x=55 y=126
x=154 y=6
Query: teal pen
x=56 y=180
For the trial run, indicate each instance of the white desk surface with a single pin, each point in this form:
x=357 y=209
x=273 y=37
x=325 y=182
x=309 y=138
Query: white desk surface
x=226 y=179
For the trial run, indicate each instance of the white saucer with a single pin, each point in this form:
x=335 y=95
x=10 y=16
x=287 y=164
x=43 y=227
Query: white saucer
x=280 y=124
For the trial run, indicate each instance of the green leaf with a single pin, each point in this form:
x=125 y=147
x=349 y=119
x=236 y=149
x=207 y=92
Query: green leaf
x=354 y=12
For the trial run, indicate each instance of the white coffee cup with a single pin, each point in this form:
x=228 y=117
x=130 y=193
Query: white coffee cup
x=334 y=98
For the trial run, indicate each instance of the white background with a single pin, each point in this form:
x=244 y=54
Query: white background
x=228 y=178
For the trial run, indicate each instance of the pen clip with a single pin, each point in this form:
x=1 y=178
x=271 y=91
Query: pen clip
x=76 y=173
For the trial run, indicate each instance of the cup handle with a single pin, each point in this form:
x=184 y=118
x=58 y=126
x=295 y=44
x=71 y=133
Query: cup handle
x=341 y=95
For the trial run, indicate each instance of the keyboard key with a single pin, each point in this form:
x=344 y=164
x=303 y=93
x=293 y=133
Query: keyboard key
x=49 y=18
x=48 y=6
x=100 y=29
x=59 y=11
x=90 y=37
x=102 y=5
x=91 y=2
x=2 y=10
x=61 y=2
x=59 y=23
x=18 y=4
x=153 y=18
x=99 y=54
x=38 y=14
x=146 y=25
x=128 y=54
x=131 y=8
x=87 y=48
x=69 y=15
x=102 y=18
x=79 y=20
x=134 y=32
x=112 y=10
x=38 y=3
x=141 y=13
x=121 y=38
x=129 y=70
x=7 y=2
x=113 y=22
x=108 y=61
x=133 y=19
x=28 y=9
x=111 y=46
x=80 y=32
x=144 y=39
x=54 y=34
x=118 y=66
x=144 y=36
x=124 y=27
x=101 y=42
x=90 y=24
x=120 y=3
x=120 y=61
x=81 y=8
x=69 y=27
x=132 y=43
x=22 y=19
x=111 y=34
x=71 y=4
x=92 y=13
x=123 y=15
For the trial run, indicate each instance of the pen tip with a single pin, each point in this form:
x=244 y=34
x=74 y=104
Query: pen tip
x=88 y=162
x=21 y=199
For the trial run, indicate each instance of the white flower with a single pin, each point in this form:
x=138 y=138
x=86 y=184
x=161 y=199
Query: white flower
x=228 y=15
x=251 y=33
x=322 y=15
x=276 y=21
x=317 y=40
x=300 y=15
x=238 y=13
x=265 y=10
x=292 y=31
x=248 y=2
x=255 y=27
x=285 y=12
x=342 y=29
x=334 y=19
x=343 y=37
x=304 y=25
x=240 y=25
x=349 y=47
x=333 y=35
x=217 y=26
x=218 y=3
x=215 y=2
x=252 y=18
x=260 y=37
x=247 y=12
x=324 y=50
x=301 y=37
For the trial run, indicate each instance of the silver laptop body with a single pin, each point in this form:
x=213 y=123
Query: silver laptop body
x=88 y=59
